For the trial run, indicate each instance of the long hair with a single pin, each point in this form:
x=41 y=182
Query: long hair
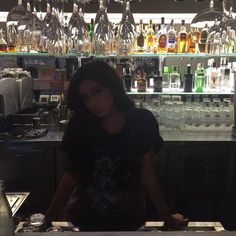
x=106 y=76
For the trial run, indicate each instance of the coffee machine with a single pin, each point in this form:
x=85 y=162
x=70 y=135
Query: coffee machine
x=8 y=97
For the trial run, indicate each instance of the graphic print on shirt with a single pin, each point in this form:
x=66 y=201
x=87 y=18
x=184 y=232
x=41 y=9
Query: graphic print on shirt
x=111 y=179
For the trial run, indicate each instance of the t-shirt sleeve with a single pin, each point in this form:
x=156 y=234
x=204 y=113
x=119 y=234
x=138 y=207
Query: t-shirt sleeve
x=150 y=135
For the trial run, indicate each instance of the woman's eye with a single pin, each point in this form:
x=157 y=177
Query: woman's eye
x=97 y=91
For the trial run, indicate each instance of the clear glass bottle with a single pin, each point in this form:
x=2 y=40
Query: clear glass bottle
x=174 y=79
x=213 y=78
x=150 y=37
x=162 y=37
x=6 y=220
x=203 y=39
x=182 y=38
x=191 y=45
x=140 y=41
x=171 y=38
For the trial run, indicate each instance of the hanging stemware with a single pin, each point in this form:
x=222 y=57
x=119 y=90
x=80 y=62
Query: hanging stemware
x=101 y=37
x=126 y=38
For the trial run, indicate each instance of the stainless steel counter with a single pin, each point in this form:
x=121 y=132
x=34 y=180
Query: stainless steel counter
x=174 y=233
x=194 y=135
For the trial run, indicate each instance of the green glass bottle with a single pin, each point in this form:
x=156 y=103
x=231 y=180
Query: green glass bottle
x=200 y=75
x=90 y=34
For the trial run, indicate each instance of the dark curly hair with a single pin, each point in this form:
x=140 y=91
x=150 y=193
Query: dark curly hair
x=106 y=76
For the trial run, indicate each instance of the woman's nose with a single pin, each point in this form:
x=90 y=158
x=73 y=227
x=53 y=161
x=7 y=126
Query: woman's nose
x=92 y=102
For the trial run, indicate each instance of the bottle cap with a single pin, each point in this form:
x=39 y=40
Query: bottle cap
x=174 y=68
x=166 y=69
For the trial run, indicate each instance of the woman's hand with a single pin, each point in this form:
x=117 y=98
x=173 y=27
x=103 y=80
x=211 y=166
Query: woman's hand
x=177 y=222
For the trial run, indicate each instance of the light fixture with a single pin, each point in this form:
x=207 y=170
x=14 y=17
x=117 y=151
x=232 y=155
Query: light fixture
x=207 y=16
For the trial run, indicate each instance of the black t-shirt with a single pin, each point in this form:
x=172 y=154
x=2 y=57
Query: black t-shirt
x=109 y=191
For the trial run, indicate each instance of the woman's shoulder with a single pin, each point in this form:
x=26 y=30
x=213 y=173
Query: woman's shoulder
x=140 y=117
x=140 y=113
x=78 y=124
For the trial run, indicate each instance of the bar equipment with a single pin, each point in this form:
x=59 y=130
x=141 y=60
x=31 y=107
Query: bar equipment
x=8 y=97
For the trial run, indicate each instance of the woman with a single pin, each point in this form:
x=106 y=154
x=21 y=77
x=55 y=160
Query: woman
x=111 y=147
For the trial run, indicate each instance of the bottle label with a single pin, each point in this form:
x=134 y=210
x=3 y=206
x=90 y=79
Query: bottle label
x=140 y=40
x=171 y=39
x=183 y=36
x=158 y=85
x=141 y=86
x=150 y=39
x=162 y=41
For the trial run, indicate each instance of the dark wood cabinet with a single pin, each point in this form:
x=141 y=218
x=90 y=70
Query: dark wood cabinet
x=199 y=180
x=28 y=168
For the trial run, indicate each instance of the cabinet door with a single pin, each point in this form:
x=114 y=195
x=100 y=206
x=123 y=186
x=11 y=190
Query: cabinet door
x=199 y=182
x=29 y=170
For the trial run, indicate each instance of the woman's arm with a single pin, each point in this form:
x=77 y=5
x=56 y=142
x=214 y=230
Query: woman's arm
x=153 y=188
x=57 y=207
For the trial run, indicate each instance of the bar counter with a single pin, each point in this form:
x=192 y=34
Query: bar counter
x=173 y=233
x=54 y=135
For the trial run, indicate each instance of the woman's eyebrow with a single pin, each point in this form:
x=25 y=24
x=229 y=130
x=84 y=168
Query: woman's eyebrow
x=95 y=87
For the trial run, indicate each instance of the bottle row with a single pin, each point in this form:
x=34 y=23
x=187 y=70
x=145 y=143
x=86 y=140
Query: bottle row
x=29 y=31
x=211 y=79
x=183 y=115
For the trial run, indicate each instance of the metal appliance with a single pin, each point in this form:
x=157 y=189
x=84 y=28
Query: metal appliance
x=8 y=97
x=24 y=92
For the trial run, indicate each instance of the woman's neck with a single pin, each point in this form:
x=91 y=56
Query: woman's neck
x=114 y=122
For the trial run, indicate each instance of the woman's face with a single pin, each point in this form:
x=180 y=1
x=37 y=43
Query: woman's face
x=98 y=99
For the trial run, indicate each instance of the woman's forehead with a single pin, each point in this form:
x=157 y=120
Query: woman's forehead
x=88 y=84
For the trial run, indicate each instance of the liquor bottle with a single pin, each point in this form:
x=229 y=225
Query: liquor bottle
x=150 y=80
x=142 y=83
x=200 y=75
x=127 y=79
x=174 y=79
x=165 y=77
x=158 y=82
x=3 y=43
x=6 y=221
x=171 y=38
x=150 y=37
x=225 y=80
x=196 y=39
x=182 y=39
x=213 y=78
x=162 y=37
x=188 y=80
x=140 y=38
x=91 y=34
x=191 y=42
x=203 y=39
